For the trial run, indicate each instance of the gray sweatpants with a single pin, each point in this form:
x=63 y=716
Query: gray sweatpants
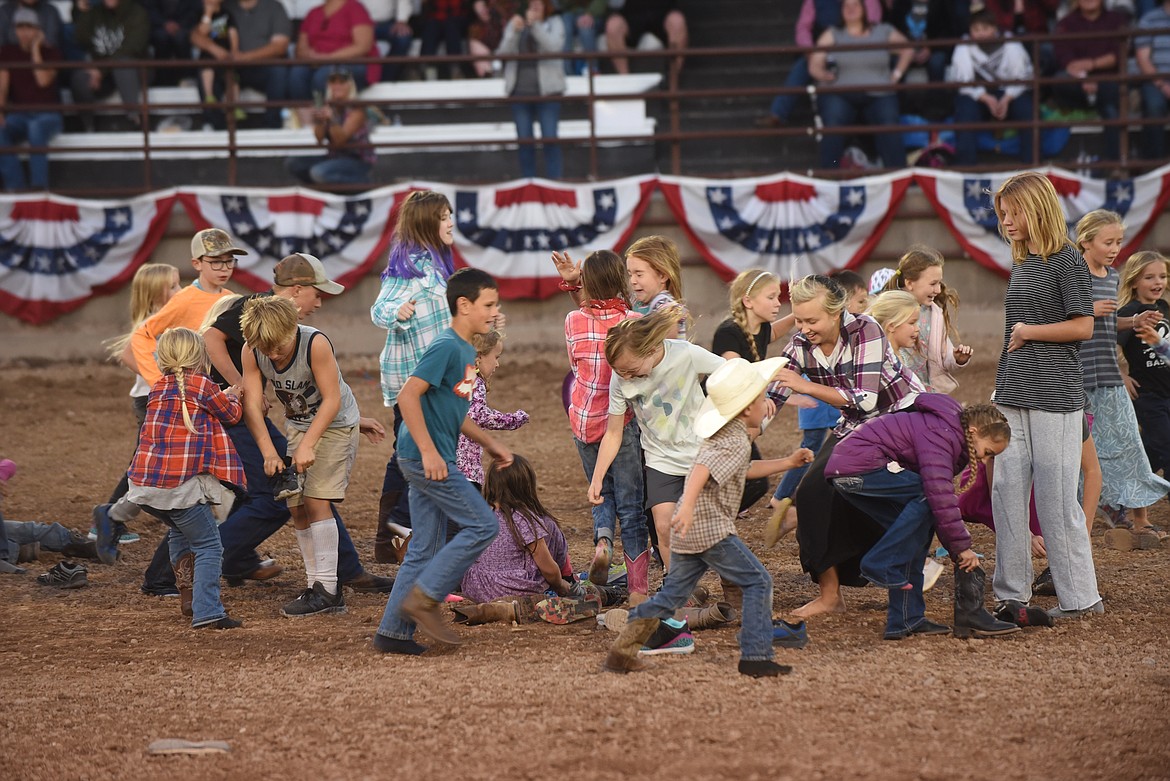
x=1044 y=455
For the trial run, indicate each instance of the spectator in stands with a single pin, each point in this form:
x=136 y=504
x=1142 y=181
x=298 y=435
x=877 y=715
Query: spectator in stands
x=534 y=32
x=582 y=18
x=626 y=26
x=109 y=31
x=443 y=21
x=335 y=31
x=1153 y=59
x=1020 y=17
x=868 y=72
x=344 y=130
x=27 y=87
x=488 y=19
x=922 y=21
x=171 y=23
x=1083 y=58
x=263 y=30
x=47 y=15
x=392 y=24
x=989 y=58
x=216 y=39
x=816 y=16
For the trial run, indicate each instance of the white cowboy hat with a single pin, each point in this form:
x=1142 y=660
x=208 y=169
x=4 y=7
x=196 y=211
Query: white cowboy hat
x=731 y=388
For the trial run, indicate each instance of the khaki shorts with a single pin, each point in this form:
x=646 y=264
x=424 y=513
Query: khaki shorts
x=328 y=477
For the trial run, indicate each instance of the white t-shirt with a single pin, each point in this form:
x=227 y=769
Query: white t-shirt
x=666 y=404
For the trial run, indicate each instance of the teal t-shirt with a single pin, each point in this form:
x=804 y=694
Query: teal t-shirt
x=448 y=366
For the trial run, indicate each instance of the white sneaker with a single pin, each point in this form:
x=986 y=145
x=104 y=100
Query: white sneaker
x=930 y=573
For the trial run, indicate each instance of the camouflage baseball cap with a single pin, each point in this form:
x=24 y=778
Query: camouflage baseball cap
x=214 y=242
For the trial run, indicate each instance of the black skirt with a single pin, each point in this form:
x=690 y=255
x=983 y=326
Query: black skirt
x=831 y=531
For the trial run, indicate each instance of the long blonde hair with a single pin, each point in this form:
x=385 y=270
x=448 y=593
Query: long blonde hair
x=222 y=304
x=916 y=260
x=893 y=308
x=1133 y=269
x=754 y=279
x=1034 y=196
x=178 y=351
x=808 y=288
x=148 y=292
x=660 y=254
x=642 y=336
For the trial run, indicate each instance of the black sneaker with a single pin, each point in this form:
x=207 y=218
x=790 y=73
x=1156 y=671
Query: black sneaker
x=1021 y=615
x=313 y=601
x=668 y=640
x=65 y=574
x=227 y=622
x=286 y=483
x=1044 y=586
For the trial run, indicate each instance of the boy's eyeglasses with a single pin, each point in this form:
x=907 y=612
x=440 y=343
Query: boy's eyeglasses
x=219 y=264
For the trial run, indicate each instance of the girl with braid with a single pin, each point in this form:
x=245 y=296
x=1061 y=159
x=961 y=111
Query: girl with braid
x=900 y=470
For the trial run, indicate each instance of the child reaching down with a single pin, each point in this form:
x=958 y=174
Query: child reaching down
x=703 y=527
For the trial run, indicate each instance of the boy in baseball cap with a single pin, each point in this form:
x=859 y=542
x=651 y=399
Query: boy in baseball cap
x=703 y=528
x=304 y=269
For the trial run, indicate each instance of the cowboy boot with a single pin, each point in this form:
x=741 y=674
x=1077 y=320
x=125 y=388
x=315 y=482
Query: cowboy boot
x=707 y=617
x=698 y=597
x=29 y=551
x=971 y=618
x=732 y=594
x=384 y=548
x=185 y=581
x=486 y=613
x=623 y=654
x=426 y=614
x=609 y=595
x=638 y=575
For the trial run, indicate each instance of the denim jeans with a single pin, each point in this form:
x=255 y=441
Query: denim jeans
x=304 y=80
x=432 y=566
x=1153 y=413
x=812 y=438
x=329 y=169
x=799 y=76
x=272 y=80
x=847 y=108
x=897 y=503
x=51 y=536
x=588 y=39
x=732 y=560
x=621 y=491
x=968 y=110
x=193 y=530
x=1154 y=106
x=38 y=129
x=548 y=114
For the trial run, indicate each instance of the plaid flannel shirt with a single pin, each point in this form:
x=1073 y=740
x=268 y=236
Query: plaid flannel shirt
x=406 y=340
x=727 y=454
x=863 y=368
x=168 y=454
x=585 y=331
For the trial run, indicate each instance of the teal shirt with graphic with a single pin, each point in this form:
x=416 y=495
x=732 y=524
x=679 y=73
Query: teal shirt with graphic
x=448 y=366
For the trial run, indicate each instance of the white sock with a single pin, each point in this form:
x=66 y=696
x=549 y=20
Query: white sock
x=308 y=553
x=325 y=545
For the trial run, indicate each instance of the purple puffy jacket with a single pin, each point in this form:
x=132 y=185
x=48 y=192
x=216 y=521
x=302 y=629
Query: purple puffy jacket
x=928 y=439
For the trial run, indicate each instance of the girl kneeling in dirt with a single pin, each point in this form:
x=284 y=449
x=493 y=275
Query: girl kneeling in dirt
x=525 y=574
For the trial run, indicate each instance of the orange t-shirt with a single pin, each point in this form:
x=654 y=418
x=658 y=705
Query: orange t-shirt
x=186 y=309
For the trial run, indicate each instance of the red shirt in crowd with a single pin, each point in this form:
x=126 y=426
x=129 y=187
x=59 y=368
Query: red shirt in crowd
x=23 y=89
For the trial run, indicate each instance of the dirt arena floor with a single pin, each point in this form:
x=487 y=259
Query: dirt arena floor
x=92 y=676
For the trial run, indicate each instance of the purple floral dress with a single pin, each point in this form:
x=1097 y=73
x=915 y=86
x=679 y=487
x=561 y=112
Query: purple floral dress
x=469 y=455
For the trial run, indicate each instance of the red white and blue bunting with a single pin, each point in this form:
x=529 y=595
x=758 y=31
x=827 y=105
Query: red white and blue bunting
x=57 y=253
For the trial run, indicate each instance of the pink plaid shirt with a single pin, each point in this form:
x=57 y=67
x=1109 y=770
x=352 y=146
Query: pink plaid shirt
x=585 y=331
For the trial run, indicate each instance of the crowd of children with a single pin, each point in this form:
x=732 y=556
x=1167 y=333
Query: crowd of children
x=666 y=435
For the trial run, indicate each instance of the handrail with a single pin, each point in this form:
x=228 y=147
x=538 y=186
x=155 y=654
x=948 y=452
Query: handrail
x=673 y=95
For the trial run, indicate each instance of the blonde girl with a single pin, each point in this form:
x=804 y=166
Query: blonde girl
x=897 y=313
x=469 y=454
x=1127 y=481
x=849 y=364
x=412 y=307
x=185 y=462
x=656 y=376
x=656 y=277
x=1048 y=312
x=934 y=357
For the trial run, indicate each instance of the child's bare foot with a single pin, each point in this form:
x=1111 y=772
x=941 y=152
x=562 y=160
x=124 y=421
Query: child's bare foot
x=599 y=567
x=821 y=604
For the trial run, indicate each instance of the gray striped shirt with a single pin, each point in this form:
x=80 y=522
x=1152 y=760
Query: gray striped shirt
x=1099 y=354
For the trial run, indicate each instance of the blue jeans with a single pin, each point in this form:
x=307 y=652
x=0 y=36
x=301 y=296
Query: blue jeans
x=548 y=114
x=1153 y=413
x=621 y=491
x=588 y=39
x=798 y=77
x=399 y=47
x=304 y=80
x=846 y=108
x=812 y=438
x=897 y=503
x=1154 y=105
x=329 y=169
x=432 y=566
x=193 y=530
x=732 y=560
x=968 y=110
x=272 y=80
x=38 y=129
x=51 y=536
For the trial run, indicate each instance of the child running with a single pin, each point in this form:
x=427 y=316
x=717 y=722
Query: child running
x=469 y=454
x=434 y=402
x=658 y=378
x=184 y=463
x=605 y=302
x=322 y=422
x=900 y=470
x=934 y=357
x=1048 y=312
x=1126 y=479
x=703 y=527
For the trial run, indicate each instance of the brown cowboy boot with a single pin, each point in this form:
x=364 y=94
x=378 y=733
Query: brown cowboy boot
x=732 y=594
x=486 y=613
x=424 y=612
x=385 y=551
x=623 y=654
x=707 y=617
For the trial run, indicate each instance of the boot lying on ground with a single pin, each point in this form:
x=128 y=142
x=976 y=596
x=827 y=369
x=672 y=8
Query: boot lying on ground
x=486 y=613
x=709 y=617
x=971 y=617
